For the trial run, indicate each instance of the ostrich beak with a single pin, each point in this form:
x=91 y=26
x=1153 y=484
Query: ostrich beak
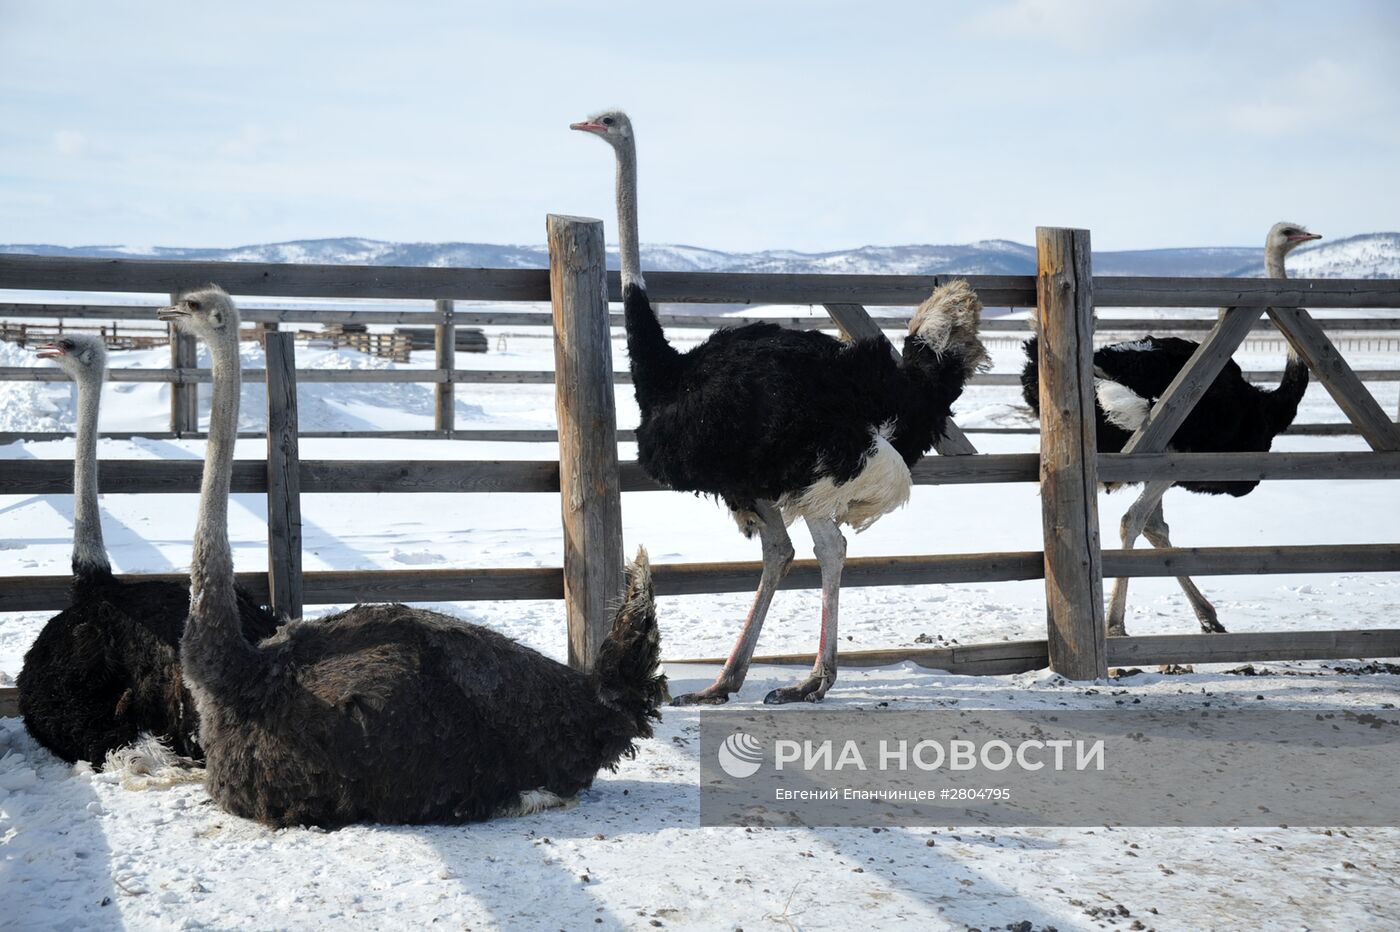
x=1304 y=237
x=589 y=127
x=51 y=351
x=172 y=313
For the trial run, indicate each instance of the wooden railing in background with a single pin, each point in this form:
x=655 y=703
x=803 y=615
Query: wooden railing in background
x=1081 y=652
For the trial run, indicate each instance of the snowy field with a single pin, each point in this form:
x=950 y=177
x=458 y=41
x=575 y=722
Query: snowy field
x=79 y=851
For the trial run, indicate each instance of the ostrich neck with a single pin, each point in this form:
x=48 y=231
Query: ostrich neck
x=89 y=554
x=212 y=597
x=629 y=248
x=1274 y=268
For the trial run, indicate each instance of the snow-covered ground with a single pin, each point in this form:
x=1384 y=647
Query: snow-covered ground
x=78 y=851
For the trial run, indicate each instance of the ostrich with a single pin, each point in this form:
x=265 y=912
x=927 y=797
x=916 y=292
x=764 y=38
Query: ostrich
x=106 y=669
x=383 y=713
x=781 y=424
x=1232 y=416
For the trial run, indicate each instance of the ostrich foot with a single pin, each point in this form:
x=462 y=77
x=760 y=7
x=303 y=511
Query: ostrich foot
x=812 y=689
x=716 y=694
x=1119 y=630
x=1209 y=624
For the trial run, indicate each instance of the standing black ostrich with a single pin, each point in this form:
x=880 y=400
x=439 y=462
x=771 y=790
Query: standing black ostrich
x=106 y=669
x=782 y=424
x=384 y=713
x=1232 y=416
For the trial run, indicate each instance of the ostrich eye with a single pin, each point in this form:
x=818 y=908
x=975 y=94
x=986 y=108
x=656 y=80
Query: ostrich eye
x=67 y=344
x=608 y=121
x=194 y=305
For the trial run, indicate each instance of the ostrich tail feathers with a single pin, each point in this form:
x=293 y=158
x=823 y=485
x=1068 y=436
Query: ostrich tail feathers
x=627 y=663
x=947 y=323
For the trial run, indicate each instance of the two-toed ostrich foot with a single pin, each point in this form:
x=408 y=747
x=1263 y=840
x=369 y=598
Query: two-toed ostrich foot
x=1209 y=624
x=710 y=695
x=812 y=689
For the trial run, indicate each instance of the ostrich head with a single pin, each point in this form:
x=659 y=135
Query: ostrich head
x=612 y=126
x=207 y=313
x=79 y=354
x=1285 y=236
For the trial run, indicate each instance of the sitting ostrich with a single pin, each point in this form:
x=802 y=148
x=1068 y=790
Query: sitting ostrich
x=782 y=424
x=106 y=669
x=1232 y=416
x=384 y=713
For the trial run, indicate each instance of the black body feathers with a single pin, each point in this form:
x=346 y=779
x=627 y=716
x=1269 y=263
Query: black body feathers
x=759 y=411
x=1233 y=416
x=107 y=668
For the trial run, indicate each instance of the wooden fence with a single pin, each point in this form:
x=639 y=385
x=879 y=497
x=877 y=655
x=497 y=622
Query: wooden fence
x=1073 y=564
x=1360 y=334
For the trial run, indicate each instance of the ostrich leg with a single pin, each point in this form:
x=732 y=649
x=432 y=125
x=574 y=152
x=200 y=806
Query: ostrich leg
x=777 y=557
x=830 y=547
x=1156 y=532
x=1135 y=520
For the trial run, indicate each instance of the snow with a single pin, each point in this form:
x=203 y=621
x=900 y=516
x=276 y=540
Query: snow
x=79 y=851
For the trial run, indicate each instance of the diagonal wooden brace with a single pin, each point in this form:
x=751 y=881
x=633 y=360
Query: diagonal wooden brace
x=1192 y=381
x=1312 y=345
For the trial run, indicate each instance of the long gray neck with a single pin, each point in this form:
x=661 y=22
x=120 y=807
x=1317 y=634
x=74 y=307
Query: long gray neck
x=1274 y=268
x=629 y=248
x=213 y=603
x=89 y=554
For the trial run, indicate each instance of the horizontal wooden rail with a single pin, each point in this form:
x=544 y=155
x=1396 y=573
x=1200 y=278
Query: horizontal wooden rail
x=50 y=477
x=480 y=376
x=470 y=318
x=39 y=593
x=156 y=276
x=1007 y=657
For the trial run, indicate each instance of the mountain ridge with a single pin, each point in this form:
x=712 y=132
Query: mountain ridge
x=1367 y=255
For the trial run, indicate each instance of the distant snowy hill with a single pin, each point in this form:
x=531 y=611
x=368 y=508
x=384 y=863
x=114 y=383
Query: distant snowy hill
x=1370 y=255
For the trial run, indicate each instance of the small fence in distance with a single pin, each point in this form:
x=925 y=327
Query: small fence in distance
x=1073 y=639
x=449 y=326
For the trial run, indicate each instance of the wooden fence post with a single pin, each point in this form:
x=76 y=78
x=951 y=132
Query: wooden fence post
x=284 y=580
x=184 y=396
x=446 y=343
x=1069 y=455
x=589 y=481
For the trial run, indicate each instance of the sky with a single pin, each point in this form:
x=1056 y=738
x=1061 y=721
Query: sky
x=805 y=125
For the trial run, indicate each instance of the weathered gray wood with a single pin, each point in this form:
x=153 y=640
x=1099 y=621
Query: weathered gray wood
x=1134 y=291
x=250 y=315
x=39 y=593
x=283 y=478
x=1068 y=455
x=62 y=273
x=1186 y=467
x=445 y=343
x=1254 y=646
x=424 y=317
x=488 y=376
x=998 y=658
x=340 y=477
x=1253 y=561
x=1180 y=398
x=1312 y=345
x=184 y=397
x=589 y=490
x=857 y=324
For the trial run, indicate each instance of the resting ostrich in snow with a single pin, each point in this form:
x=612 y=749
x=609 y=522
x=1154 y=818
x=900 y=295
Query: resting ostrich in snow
x=1232 y=416
x=107 y=668
x=384 y=713
x=782 y=424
